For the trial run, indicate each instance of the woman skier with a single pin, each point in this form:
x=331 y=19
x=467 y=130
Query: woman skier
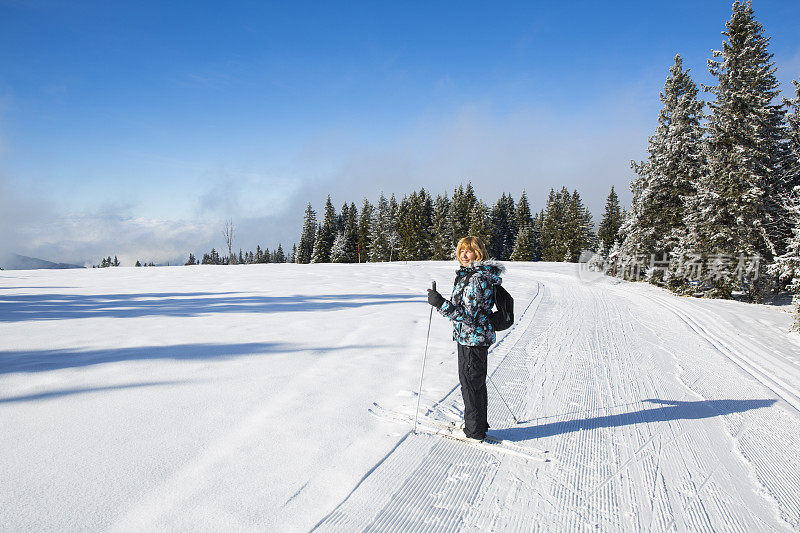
x=469 y=308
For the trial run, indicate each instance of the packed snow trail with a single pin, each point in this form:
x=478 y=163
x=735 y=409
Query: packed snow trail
x=650 y=424
x=238 y=398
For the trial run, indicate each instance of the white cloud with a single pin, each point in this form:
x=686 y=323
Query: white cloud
x=32 y=224
x=86 y=238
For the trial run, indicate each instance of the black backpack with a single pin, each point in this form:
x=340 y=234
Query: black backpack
x=503 y=318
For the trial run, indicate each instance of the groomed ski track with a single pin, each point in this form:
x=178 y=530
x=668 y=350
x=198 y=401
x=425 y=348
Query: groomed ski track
x=657 y=415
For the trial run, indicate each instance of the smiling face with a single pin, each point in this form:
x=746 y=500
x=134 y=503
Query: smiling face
x=466 y=256
x=470 y=249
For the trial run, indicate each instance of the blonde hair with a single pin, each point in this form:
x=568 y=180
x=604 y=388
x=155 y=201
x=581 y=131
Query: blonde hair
x=475 y=245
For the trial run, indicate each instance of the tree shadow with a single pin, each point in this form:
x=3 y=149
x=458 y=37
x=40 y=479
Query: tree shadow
x=44 y=360
x=85 y=390
x=15 y=287
x=667 y=410
x=17 y=308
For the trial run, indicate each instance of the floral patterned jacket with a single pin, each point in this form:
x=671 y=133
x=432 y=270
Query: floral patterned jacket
x=471 y=303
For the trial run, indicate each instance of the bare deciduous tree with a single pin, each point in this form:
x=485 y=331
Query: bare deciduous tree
x=228 y=233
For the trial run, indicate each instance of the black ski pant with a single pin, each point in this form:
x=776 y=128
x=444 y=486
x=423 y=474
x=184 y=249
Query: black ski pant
x=472 y=375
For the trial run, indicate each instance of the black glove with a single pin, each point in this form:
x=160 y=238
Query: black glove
x=435 y=299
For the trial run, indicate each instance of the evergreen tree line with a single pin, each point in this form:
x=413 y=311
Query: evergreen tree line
x=214 y=258
x=420 y=227
x=108 y=262
x=720 y=188
x=244 y=258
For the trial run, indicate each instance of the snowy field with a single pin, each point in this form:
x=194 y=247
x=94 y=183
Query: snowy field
x=275 y=397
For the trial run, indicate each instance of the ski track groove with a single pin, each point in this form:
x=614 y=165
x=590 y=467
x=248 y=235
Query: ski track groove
x=776 y=429
x=576 y=370
x=786 y=392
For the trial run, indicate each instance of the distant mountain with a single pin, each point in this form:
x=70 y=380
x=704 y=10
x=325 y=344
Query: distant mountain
x=21 y=262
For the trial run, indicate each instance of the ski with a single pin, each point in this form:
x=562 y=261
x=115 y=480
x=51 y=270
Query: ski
x=489 y=443
x=445 y=430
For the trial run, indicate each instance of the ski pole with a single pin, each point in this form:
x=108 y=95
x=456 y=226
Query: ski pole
x=424 y=356
x=504 y=400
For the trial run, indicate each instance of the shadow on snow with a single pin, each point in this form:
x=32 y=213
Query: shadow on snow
x=43 y=360
x=666 y=411
x=16 y=308
x=84 y=390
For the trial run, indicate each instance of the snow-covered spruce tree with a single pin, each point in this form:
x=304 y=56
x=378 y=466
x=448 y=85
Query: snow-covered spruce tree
x=293 y=254
x=792 y=166
x=739 y=212
x=523 y=245
x=442 y=238
x=341 y=218
x=503 y=225
x=351 y=235
x=425 y=248
x=550 y=226
x=338 y=252
x=479 y=222
x=555 y=233
x=404 y=225
x=280 y=257
x=522 y=213
x=523 y=219
x=787 y=266
x=326 y=234
x=364 y=225
x=538 y=224
x=394 y=208
x=413 y=226
x=571 y=226
x=666 y=180
x=307 y=237
x=208 y=258
x=380 y=228
x=459 y=212
x=608 y=231
x=316 y=253
x=579 y=235
x=394 y=244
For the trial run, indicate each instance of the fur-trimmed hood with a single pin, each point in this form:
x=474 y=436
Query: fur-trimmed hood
x=489 y=269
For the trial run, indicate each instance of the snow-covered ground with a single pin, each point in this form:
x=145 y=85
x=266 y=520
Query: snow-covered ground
x=244 y=398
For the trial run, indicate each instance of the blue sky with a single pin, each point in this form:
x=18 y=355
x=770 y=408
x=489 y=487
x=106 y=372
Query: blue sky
x=136 y=128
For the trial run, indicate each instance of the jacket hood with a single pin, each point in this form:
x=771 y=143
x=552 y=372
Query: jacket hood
x=488 y=269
